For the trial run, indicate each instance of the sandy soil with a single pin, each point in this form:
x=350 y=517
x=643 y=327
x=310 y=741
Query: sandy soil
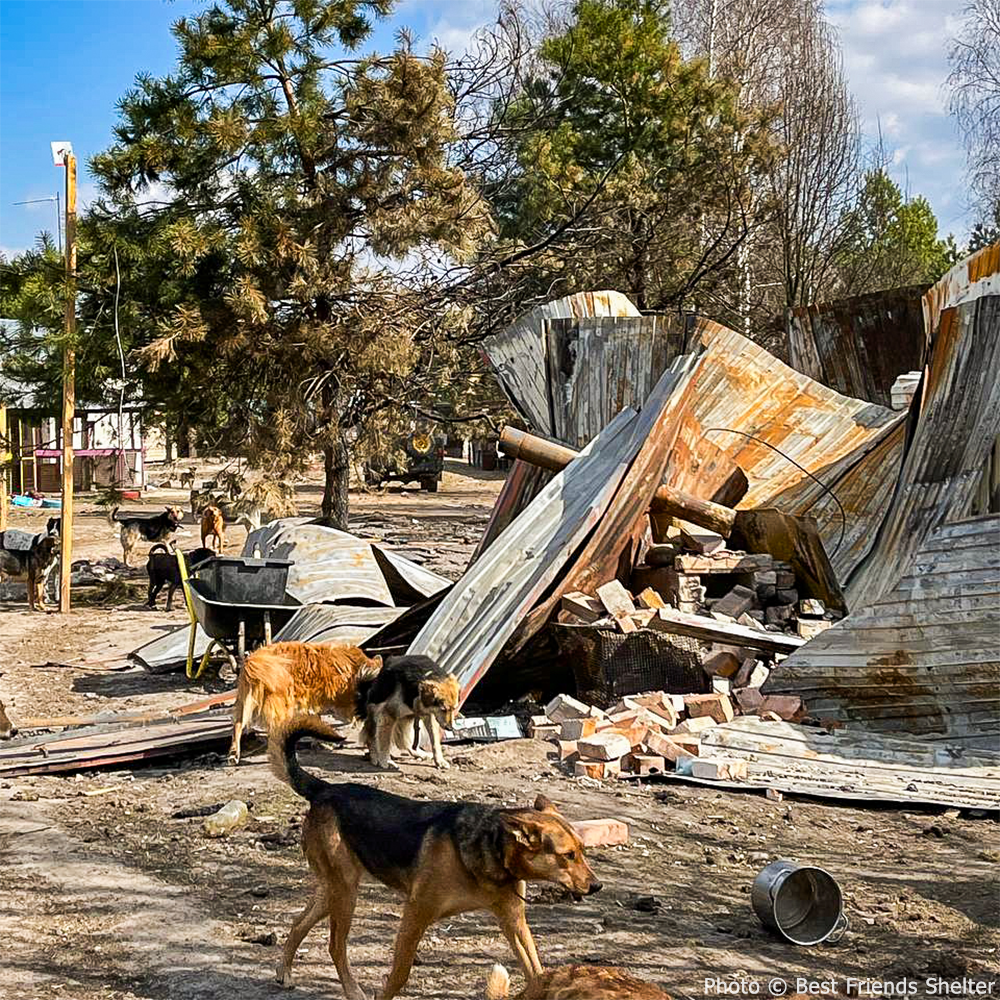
x=104 y=895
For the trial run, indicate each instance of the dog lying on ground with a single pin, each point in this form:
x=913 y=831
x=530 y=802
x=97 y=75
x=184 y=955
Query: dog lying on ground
x=409 y=690
x=162 y=570
x=575 y=982
x=153 y=529
x=7 y=729
x=444 y=857
x=32 y=559
x=213 y=526
x=278 y=681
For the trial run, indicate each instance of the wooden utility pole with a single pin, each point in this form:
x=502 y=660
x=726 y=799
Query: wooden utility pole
x=69 y=387
x=4 y=459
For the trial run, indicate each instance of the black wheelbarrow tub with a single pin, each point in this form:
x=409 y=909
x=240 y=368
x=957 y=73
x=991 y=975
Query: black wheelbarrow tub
x=221 y=619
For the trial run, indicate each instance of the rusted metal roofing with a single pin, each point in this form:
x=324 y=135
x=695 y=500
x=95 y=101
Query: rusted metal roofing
x=523 y=483
x=859 y=346
x=746 y=404
x=614 y=541
x=845 y=764
x=520 y=353
x=956 y=415
x=925 y=657
x=477 y=616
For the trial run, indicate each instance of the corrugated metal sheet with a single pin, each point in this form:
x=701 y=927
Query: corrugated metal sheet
x=856 y=765
x=523 y=483
x=519 y=354
x=407 y=581
x=925 y=657
x=169 y=652
x=614 y=542
x=859 y=346
x=599 y=365
x=336 y=624
x=328 y=565
x=477 y=616
x=740 y=387
x=957 y=413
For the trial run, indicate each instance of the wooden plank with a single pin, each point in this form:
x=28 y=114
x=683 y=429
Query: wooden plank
x=587 y=609
x=733 y=634
x=700 y=539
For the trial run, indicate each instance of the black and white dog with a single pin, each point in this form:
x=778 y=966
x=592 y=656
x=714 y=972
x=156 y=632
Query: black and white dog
x=154 y=528
x=24 y=556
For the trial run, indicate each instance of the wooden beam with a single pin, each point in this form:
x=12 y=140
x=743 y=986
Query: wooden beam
x=732 y=634
x=5 y=456
x=666 y=500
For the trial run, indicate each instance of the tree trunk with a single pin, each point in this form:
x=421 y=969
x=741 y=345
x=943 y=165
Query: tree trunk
x=337 y=474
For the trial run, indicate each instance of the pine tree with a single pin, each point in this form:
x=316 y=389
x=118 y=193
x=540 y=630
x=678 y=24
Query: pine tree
x=291 y=172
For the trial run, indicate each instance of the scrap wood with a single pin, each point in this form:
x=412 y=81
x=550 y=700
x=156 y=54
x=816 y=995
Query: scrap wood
x=103 y=746
x=712 y=630
x=619 y=604
x=129 y=718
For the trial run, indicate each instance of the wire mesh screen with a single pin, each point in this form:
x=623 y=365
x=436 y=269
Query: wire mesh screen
x=608 y=664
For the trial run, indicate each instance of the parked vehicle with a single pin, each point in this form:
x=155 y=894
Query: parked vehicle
x=424 y=462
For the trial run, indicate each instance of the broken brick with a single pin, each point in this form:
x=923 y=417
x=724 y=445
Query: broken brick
x=596 y=768
x=564 y=707
x=575 y=729
x=715 y=706
x=696 y=725
x=738 y=600
x=604 y=746
x=718 y=769
x=601 y=832
x=786 y=706
x=666 y=748
x=721 y=664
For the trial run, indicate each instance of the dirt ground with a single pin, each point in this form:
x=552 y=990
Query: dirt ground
x=104 y=895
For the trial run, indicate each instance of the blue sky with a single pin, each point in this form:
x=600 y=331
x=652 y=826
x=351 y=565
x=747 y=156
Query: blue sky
x=65 y=63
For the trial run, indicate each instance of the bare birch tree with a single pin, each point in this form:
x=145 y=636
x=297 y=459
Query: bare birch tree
x=974 y=84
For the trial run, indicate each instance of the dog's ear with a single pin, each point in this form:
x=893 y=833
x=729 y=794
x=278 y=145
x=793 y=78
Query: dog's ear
x=522 y=832
x=544 y=805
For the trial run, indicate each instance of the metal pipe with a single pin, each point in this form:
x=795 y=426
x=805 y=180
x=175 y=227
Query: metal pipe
x=555 y=457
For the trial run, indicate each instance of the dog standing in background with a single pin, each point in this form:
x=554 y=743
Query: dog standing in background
x=280 y=680
x=152 y=529
x=443 y=857
x=409 y=690
x=31 y=558
x=213 y=525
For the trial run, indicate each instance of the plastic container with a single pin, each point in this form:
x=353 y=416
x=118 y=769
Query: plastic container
x=240 y=580
x=800 y=903
x=230 y=817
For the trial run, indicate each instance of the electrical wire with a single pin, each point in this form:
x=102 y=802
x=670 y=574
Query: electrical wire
x=788 y=458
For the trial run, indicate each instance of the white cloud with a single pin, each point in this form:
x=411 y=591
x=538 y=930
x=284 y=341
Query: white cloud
x=896 y=60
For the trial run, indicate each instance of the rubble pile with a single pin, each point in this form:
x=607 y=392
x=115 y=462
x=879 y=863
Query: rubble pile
x=650 y=733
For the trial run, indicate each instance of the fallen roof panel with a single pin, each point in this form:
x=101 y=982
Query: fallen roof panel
x=859 y=346
x=855 y=764
x=475 y=618
x=336 y=624
x=925 y=657
x=327 y=565
x=957 y=409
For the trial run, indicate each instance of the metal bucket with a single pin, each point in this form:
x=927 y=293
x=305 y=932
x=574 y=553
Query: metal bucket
x=802 y=904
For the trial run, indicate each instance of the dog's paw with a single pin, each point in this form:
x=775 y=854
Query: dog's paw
x=233 y=759
x=283 y=975
x=419 y=753
x=442 y=764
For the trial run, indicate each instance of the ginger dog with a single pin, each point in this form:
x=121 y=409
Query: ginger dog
x=279 y=681
x=213 y=525
x=575 y=982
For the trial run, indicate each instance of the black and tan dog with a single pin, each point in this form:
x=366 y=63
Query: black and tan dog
x=31 y=558
x=163 y=571
x=155 y=528
x=444 y=857
x=408 y=691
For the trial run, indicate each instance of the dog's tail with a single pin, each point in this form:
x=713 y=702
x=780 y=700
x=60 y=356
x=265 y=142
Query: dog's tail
x=497 y=983
x=157 y=547
x=113 y=516
x=281 y=745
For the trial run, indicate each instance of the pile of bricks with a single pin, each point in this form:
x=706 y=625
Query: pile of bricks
x=648 y=733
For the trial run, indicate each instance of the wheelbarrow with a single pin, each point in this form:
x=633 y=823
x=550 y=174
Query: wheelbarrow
x=238 y=602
